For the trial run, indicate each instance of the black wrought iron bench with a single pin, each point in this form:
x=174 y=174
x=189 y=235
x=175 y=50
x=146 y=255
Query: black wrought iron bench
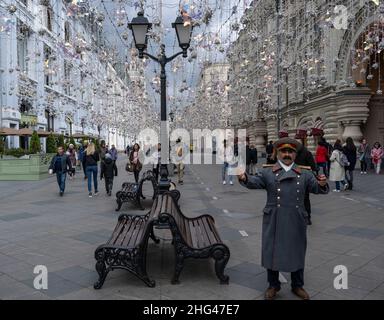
x=133 y=192
x=127 y=247
x=193 y=238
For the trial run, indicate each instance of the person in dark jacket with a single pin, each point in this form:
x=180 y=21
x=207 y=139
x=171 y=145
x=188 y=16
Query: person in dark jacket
x=82 y=157
x=108 y=171
x=91 y=159
x=269 y=151
x=247 y=158
x=253 y=159
x=350 y=151
x=60 y=165
x=284 y=237
x=304 y=157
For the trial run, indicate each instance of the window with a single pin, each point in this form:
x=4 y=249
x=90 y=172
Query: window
x=67 y=32
x=22 y=46
x=47 y=66
x=48 y=16
x=67 y=77
x=50 y=120
x=25 y=107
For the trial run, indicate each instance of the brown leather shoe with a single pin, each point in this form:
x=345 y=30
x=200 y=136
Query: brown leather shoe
x=270 y=293
x=301 y=293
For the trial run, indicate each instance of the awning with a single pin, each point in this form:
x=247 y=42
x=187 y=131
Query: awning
x=8 y=132
x=80 y=136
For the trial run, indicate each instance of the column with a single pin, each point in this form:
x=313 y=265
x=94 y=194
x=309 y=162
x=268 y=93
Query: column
x=352 y=112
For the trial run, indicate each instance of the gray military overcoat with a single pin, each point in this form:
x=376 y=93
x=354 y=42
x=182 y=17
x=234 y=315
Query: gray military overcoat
x=284 y=235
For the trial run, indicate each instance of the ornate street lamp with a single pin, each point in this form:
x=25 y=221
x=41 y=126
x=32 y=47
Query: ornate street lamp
x=140 y=27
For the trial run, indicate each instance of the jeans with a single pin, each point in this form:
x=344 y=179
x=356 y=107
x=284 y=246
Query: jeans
x=377 y=166
x=338 y=184
x=180 y=172
x=349 y=176
x=61 y=176
x=324 y=166
x=297 y=279
x=363 y=165
x=92 y=170
x=225 y=172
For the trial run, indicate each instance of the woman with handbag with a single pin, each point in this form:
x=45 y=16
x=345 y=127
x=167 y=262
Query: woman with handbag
x=364 y=152
x=337 y=170
x=376 y=155
x=135 y=161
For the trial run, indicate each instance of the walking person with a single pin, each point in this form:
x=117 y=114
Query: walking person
x=227 y=155
x=91 y=159
x=337 y=170
x=181 y=152
x=60 y=164
x=377 y=155
x=71 y=153
x=269 y=151
x=364 y=152
x=108 y=171
x=284 y=238
x=82 y=157
x=113 y=154
x=321 y=157
x=135 y=161
x=247 y=157
x=253 y=159
x=350 y=151
x=305 y=158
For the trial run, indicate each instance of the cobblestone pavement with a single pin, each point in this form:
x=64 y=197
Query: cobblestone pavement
x=37 y=227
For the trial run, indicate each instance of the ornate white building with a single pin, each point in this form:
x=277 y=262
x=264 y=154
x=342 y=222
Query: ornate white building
x=56 y=73
x=322 y=58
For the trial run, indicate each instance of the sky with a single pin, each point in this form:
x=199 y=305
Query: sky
x=182 y=72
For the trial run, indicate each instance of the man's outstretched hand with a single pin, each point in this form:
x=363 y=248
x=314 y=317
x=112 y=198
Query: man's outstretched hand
x=322 y=180
x=240 y=172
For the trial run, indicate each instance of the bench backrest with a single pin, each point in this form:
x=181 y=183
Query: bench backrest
x=148 y=175
x=170 y=210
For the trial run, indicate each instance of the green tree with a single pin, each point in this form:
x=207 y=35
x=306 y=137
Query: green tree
x=72 y=140
x=97 y=144
x=51 y=144
x=2 y=144
x=35 y=143
x=60 y=141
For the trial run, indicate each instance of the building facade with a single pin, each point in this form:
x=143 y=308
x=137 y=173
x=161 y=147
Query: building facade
x=55 y=72
x=314 y=68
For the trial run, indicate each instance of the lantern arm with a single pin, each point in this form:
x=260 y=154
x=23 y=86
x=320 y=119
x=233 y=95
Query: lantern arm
x=150 y=56
x=174 y=56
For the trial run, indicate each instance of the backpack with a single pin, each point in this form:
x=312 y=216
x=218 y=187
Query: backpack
x=344 y=160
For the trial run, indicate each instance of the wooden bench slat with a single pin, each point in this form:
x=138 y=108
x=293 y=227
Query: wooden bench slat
x=193 y=234
x=125 y=227
x=130 y=232
x=136 y=235
x=209 y=232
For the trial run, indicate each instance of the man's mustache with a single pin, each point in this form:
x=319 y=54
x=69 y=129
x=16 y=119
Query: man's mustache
x=287 y=158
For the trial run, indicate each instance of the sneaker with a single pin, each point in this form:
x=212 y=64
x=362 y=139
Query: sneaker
x=361 y=172
x=365 y=172
x=61 y=193
x=224 y=182
x=96 y=193
x=346 y=186
x=335 y=190
x=231 y=183
x=90 y=194
x=109 y=193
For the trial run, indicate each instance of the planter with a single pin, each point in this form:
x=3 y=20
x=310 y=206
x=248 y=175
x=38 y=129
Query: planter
x=32 y=169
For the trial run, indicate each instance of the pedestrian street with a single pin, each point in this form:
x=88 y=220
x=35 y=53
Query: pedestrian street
x=38 y=227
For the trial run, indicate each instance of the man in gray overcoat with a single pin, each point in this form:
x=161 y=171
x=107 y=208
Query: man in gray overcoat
x=284 y=238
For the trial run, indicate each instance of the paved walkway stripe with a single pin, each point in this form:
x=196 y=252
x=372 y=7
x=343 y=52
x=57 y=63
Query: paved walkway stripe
x=243 y=233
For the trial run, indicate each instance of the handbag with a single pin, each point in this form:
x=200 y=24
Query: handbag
x=129 y=167
x=139 y=166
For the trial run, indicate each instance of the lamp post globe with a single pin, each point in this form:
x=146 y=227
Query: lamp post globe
x=140 y=27
x=184 y=32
